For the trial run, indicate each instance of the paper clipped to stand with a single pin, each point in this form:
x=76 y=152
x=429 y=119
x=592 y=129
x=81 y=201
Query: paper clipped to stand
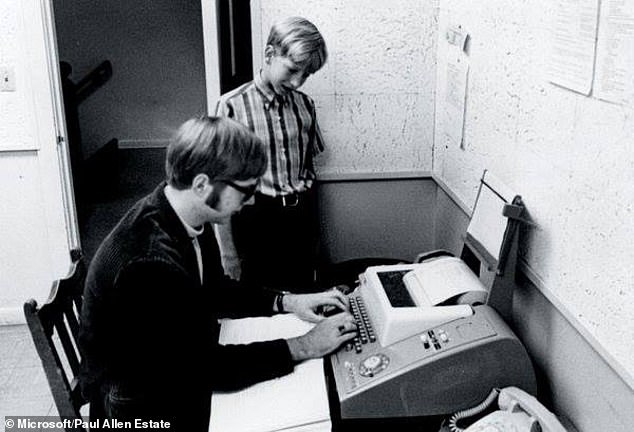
x=293 y=403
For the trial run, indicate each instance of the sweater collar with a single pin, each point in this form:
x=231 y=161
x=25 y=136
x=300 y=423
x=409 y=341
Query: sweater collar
x=191 y=231
x=173 y=224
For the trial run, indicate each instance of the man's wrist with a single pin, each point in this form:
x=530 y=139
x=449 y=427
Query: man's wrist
x=298 y=349
x=287 y=302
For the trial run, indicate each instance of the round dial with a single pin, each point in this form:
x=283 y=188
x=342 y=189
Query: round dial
x=373 y=365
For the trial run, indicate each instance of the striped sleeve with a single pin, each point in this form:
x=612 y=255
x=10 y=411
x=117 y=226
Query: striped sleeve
x=223 y=108
x=316 y=139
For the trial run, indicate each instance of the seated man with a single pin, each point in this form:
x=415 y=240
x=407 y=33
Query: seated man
x=156 y=289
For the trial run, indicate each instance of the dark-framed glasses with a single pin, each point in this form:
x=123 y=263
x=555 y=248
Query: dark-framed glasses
x=246 y=191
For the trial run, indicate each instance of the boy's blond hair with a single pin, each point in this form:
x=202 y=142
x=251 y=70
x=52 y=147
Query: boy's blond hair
x=300 y=41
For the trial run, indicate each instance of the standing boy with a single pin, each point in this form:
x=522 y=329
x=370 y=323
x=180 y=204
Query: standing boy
x=274 y=240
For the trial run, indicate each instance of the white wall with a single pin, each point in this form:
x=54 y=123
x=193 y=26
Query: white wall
x=375 y=96
x=34 y=245
x=568 y=155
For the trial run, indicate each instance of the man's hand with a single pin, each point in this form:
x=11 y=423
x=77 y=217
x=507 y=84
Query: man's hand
x=306 y=306
x=324 y=338
x=232 y=266
x=228 y=254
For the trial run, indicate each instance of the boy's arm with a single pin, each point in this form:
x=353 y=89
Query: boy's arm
x=316 y=137
x=224 y=233
x=223 y=109
x=228 y=253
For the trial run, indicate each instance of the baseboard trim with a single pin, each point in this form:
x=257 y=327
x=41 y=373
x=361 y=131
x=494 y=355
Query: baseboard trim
x=11 y=316
x=330 y=177
x=143 y=144
x=457 y=201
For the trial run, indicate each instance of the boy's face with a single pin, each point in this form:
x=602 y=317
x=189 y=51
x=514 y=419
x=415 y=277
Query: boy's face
x=282 y=73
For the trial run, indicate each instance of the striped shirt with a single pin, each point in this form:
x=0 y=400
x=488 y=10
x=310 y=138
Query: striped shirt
x=287 y=125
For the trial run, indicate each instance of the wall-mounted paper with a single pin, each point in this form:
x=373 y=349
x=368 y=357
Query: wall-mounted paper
x=573 y=42
x=455 y=96
x=614 y=79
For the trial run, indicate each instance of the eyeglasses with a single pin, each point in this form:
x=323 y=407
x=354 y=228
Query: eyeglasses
x=246 y=191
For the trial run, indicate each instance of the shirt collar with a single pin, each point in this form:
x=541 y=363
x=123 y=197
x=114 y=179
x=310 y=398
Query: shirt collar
x=191 y=231
x=270 y=97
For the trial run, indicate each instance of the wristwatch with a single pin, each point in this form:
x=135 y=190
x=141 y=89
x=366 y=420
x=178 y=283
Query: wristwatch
x=279 y=301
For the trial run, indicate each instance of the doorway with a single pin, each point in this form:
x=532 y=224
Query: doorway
x=234 y=43
x=132 y=72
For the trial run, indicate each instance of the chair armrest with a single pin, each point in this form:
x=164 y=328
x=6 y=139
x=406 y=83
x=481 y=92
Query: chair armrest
x=426 y=256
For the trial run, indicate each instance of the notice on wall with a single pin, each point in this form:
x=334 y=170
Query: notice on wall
x=455 y=85
x=614 y=78
x=573 y=43
x=455 y=97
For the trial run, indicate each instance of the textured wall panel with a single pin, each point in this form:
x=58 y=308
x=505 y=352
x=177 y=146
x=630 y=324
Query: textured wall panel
x=569 y=155
x=375 y=97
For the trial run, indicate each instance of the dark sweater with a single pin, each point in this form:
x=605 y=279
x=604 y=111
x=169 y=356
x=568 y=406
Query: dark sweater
x=148 y=324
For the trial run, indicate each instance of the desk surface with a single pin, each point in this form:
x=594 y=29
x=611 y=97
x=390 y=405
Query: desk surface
x=296 y=402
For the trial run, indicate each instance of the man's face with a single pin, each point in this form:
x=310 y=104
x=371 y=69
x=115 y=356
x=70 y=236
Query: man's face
x=227 y=198
x=283 y=74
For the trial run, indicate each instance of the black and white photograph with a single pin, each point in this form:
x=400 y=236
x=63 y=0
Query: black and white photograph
x=317 y=215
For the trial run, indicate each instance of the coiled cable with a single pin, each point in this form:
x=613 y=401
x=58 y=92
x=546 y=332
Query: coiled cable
x=456 y=417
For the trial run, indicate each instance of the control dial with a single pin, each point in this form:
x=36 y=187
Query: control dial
x=373 y=365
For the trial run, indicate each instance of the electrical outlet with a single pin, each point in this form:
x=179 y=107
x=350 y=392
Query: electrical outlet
x=7 y=79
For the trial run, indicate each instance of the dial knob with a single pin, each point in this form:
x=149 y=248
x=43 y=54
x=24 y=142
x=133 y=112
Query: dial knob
x=373 y=364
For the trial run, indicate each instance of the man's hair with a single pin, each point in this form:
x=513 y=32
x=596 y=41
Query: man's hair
x=299 y=40
x=221 y=148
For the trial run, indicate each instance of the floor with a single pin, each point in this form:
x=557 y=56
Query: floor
x=23 y=387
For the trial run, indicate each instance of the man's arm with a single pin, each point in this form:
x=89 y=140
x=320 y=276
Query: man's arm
x=224 y=233
x=228 y=252
x=162 y=321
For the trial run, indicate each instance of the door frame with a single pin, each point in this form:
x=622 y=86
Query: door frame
x=212 y=84
x=210 y=52
x=59 y=124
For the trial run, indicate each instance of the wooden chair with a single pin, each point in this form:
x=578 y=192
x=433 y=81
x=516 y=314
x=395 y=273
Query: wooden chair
x=54 y=327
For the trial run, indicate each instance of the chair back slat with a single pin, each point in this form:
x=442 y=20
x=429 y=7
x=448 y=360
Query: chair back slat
x=54 y=327
x=71 y=319
x=69 y=347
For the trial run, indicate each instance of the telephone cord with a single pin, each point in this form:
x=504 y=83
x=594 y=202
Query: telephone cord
x=453 y=421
